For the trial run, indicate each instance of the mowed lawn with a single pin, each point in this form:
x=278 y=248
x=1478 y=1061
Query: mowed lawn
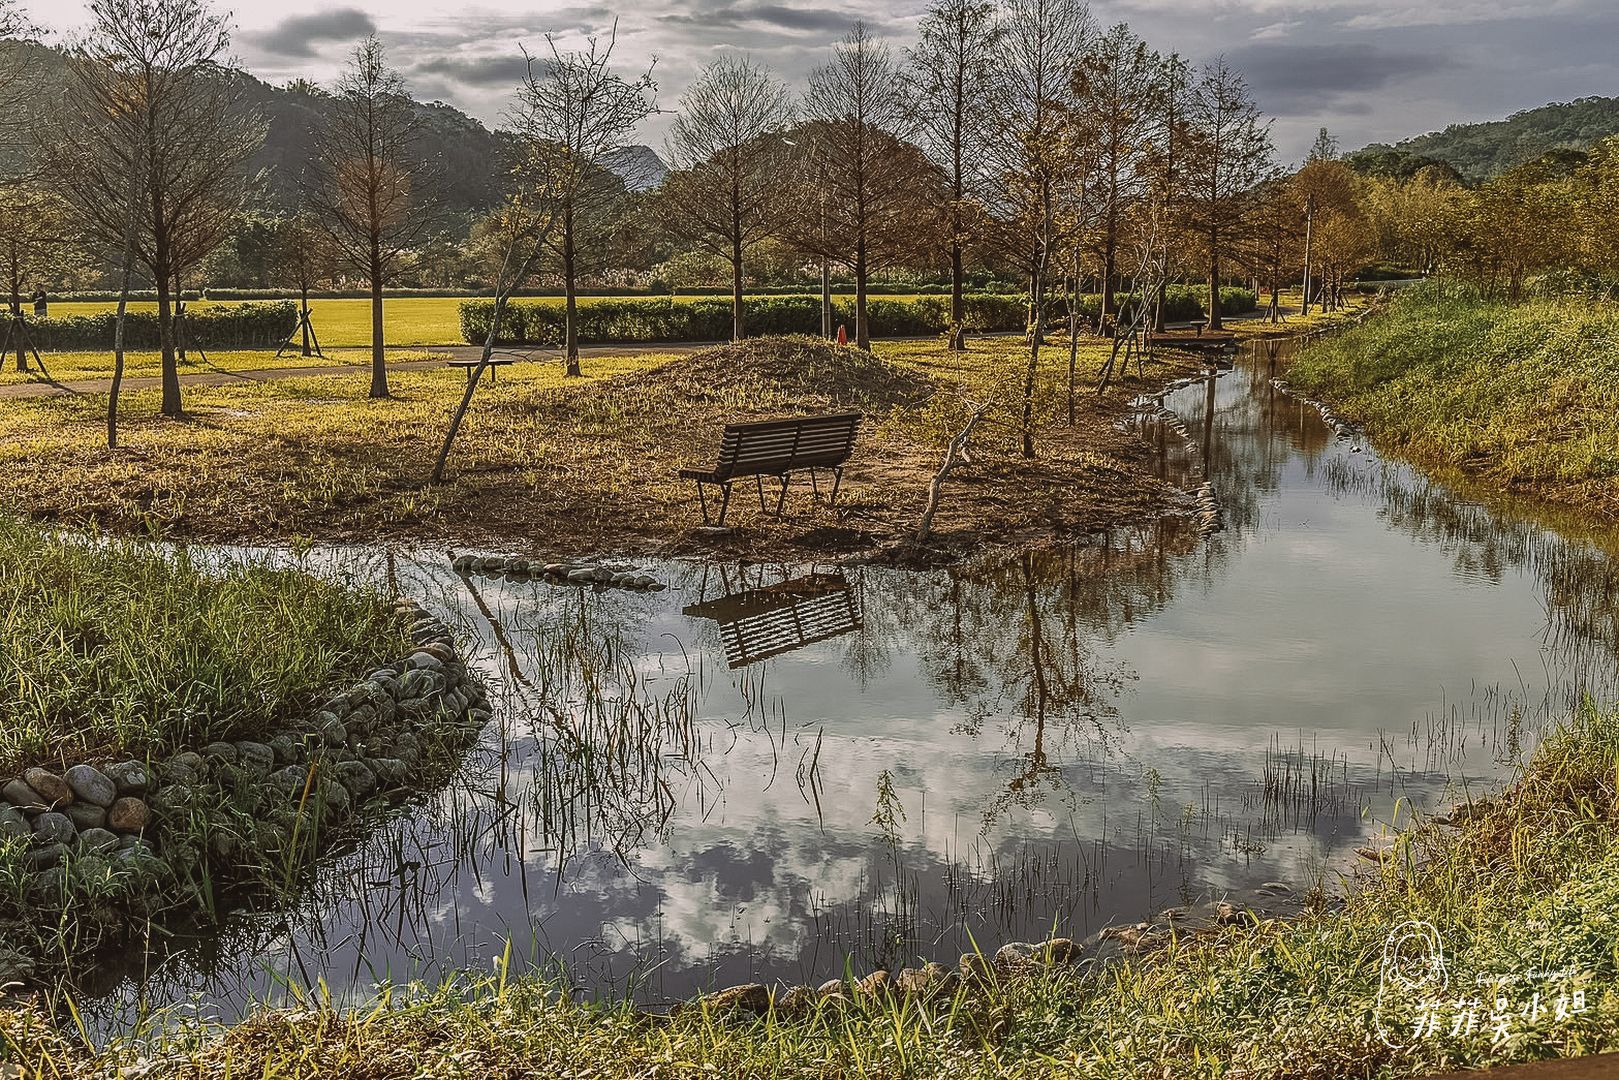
x=411 y=320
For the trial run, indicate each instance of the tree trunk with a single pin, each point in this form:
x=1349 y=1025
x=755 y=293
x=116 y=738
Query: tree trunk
x=958 y=301
x=1309 y=227
x=570 y=288
x=736 y=289
x=826 y=298
x=379 y=364
x=165 y=331
x=1110 y=269
x=118 y=323
x=472 y=385
x=17 y=325
x=862 y=331
x=1214 y=321
x=303 y=298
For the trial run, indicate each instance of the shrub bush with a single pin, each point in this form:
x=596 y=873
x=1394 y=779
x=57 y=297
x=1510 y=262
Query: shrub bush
x=244 y=326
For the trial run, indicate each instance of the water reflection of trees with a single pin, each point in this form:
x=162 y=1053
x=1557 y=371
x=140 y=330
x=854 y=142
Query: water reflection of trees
x=1578 y=581
x=1020 y=643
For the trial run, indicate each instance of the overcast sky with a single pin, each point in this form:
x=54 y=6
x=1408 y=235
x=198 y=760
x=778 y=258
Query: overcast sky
x=1370 y=70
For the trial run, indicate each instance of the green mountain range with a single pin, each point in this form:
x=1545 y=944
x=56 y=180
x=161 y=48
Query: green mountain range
x=1480 y=151
x=462 y=155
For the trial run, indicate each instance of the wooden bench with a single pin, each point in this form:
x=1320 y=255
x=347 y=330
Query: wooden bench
x=777 y=448
x=472 y=365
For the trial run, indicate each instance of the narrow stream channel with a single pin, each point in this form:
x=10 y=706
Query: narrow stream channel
x=765 y=772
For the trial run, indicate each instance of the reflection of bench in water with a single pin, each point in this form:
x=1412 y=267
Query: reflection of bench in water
x=756 y=624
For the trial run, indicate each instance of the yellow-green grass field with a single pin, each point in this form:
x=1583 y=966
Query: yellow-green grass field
x=411 y=320
x=75 y=366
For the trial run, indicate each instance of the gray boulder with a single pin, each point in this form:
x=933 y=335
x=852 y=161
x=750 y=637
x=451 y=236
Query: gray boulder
x=54 y=828
x=356 y=776
x=91 y=785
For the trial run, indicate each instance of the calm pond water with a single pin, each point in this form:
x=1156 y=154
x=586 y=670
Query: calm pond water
x=765 y=772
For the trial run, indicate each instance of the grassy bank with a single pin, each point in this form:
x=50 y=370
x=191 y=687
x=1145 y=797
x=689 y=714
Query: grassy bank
x=1527 y=884
x=1525 y=397
x=114 y=650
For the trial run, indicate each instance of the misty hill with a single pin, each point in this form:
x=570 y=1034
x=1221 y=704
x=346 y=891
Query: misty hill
x=1480 y=151
x=464 y=154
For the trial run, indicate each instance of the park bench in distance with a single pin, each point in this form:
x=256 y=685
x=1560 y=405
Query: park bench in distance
x=777 y=448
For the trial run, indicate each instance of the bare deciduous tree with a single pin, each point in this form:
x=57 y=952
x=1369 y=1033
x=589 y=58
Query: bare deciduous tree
x=149 y=96
x=302 y=255
x=36 y=248
x=1116 y=87
x=365 y=183
x=728 y=152
x=1229 y=155
x=1032 y=106
x=859 y=115
x=515 y=235
x=574 y=111
x=952 y=71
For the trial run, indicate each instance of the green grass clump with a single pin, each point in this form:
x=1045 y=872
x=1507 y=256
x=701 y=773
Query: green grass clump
x=116 y=648
x=1526 y=396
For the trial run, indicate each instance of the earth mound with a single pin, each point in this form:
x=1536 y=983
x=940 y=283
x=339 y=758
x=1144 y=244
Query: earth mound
x=769 y=372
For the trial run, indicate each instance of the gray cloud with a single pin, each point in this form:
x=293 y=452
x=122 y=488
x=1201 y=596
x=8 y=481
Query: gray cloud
x=297 y=35
x=1293 y=79
x=504 y=69
x=770 y=16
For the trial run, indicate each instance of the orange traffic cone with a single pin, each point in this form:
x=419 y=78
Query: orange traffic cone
x=843 y=334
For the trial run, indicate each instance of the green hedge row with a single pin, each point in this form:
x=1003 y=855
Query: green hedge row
x=246 y=326
x=633 y=321
x=627 y=322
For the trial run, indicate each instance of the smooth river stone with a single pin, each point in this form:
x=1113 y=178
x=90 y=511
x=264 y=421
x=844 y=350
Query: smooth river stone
x=85 y=815
x=128 y=815
x=55 y=828
x=91 y=785
x=48 y=784
x=12 y=823
x=17 y=793
x=131 y=777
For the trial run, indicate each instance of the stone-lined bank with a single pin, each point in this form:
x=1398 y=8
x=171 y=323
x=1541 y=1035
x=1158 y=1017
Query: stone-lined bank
x=110 y=843
x=602 y=575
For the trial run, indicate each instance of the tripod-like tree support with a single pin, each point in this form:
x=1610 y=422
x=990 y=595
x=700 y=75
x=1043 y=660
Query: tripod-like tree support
x=18 y=338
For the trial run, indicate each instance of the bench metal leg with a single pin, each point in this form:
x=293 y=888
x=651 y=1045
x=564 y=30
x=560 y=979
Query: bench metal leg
x=837 y=481
x=725 y=502
x=781 y=500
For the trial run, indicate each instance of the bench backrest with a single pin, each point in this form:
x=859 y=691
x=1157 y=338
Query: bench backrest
x=773 y=447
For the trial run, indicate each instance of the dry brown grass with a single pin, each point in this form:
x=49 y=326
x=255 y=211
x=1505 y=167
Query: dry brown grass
x=558 y=465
